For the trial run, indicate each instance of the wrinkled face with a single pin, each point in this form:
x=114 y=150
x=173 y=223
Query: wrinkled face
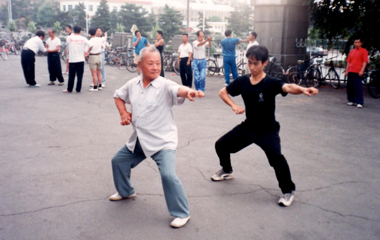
x=151 y=65
x=51 y=34
x=256 y=67
x=68 y=30
x=358 y=43
x=99 y=32
x=138 y=34
x=184 y=38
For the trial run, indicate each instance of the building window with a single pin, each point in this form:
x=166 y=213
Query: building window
x=115 y=8
x=70 y=7
x=90 y=8
x=64 y=8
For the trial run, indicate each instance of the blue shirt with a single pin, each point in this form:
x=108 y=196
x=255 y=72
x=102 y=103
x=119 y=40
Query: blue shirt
x=142 y=43
x=228 y=45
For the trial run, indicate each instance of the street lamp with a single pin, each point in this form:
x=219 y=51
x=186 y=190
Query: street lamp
x=10 y=10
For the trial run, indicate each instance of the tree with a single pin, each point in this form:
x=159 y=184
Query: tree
x=57 y=27
x=79 y=15
x=32 y=27
x=347 y=19
x=215 y=19
x=12 y=26
x=131 y=14
x=170 y=21
x=102 y=16
x=200 y=24
x=119 y=27
x=241 y=20
x=46 y=15
x=64 y=18
x=113 y=20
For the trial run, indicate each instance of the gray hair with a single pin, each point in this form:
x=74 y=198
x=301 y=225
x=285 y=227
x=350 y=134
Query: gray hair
x=145 y=50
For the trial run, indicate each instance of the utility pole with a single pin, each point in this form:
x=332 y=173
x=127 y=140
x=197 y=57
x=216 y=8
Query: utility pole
x=188 y=16
x=10 y=10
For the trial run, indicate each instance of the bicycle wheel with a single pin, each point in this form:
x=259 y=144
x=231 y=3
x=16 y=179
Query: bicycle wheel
x=130 y=65
x=241 y=69
x=176 y=66
x=166 y=64
x=374 y=86
x=3 y=56
x=312 y=76
x=293 y=76
x=277 y=71
x=211 y=68
x=333 y=79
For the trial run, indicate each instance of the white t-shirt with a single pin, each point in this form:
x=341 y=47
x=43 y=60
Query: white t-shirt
x=184 y=50
x=96 y=43
x=53 y=44
x=35 y=44
x=250 y=44
x=104 y=42
x=199 y=52
x=76 y=45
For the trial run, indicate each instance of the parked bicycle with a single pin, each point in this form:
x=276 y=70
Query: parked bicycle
x=314 y=78
x=274 y=69
x=295 y=74
x=213 y=66
x=171 y=62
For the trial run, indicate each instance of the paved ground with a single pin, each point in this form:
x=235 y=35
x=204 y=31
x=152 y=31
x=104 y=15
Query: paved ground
x=55 y=172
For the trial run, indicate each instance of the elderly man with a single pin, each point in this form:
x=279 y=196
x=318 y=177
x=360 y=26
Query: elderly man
x=53 y=45
x=155 y=134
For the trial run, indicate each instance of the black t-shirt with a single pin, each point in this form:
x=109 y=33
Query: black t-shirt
x=259 y=101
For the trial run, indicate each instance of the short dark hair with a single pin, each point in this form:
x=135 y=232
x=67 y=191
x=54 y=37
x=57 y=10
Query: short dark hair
x=254 y=34
x=100 y=29
x=40 y=33
x=77 y=29
x=92 y=31
x=358 y=38
x=53 y=30
x=187 y=35
x=68 y=26
x=260 y=53
x=160 y=32
x=137 y=31
x=199 y=32
x=228 y=33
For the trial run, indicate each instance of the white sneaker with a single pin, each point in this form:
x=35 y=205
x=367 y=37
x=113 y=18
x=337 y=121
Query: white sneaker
x=350 y=104
x=103 y=85
x=225 y=85
x=179 y=222
x=359 y=106
x=91 y=85
x=36 y=85
x=221 y=175
x=93 y=90
x=286 y=200
x=118 y=197
x=65 y=73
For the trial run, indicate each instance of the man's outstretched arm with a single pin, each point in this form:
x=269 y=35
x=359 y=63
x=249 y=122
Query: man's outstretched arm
x=126 y=117
x=223 y=94
x=186 y=92
x=295 y=89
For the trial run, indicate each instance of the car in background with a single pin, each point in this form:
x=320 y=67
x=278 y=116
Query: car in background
x=317 y=51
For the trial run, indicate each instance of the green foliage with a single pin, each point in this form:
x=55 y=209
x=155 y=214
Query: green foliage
x=170 y=21
x=154 y=31
x=102 y=16
x=119 y=27
x=64 y=18
x=347 y=19
x=46 y=15
x=79 y=15
x=12 y=26
x=215 y=19
x=57 y=27
x=113 y=20
x=241 y=20
x=32 y=27
x=131 y=14
x=200 y=24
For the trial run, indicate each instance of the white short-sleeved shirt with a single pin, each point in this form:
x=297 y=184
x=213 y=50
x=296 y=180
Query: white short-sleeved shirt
x=76 y=45
x=250 y=44
x=53 y=44
x=152 y=115
x=104 y=43
x=199 y=52
x=35 y=44
x=96 y=43
x=184 y=50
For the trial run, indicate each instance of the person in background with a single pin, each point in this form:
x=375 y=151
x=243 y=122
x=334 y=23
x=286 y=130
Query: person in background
x=95 y=60
x=99 y=33
x=251 y=41
x=199 y=60
x=53 y=45
x=139 y=43
x=160 y=42
x=356 y=62
x=75 y=46
x=69 y=32
x=30 y=49
x=184 y=61
x=229 y=56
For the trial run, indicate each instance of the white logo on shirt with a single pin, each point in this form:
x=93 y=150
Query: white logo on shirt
x=261 y=97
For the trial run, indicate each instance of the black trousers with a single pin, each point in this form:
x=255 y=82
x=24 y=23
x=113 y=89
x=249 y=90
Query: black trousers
x=239 y=138
x=162 y=74
x=27 y=63
x=54 y=67
x=75 y=69
x=186 y=72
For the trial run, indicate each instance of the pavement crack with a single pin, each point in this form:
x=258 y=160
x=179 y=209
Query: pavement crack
x=195 y=139
x=331 y=185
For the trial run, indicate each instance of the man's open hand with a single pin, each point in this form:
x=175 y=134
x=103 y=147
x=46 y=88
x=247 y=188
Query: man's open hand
x=310 y=91
x=126 y=119
x=195 y=94
x=237 y=109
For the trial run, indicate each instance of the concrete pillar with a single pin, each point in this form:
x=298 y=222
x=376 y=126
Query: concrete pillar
x=278 y=24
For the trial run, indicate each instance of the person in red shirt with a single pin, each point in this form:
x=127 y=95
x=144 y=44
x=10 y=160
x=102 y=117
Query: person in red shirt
x=356 y=62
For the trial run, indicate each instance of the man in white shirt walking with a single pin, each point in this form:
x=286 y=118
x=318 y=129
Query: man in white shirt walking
x=199 y=60
x=99 y=33
x=251 y=41
x=184 y=61
x=154 y=132
x=69 y=32
x=95 y=61
x=76 y=45
x=30 y=49
x=53 y=45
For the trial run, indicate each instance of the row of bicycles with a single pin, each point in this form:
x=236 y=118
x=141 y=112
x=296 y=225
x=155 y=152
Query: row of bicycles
x=8 y=47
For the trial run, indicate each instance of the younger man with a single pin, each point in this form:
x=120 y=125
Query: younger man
x=95 y=61
x=260 y=127
x=185 y=52
x=139 y=43
x=229 y=59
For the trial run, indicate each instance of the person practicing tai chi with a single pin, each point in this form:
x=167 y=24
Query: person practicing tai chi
x=229 y=56
x=258 y=91
x=154 y=132
x=139 y=43
x=199 y=60
x=69 y=33
x=95 y=60
x=184 y=61
x=53 y=45
x=30 y=49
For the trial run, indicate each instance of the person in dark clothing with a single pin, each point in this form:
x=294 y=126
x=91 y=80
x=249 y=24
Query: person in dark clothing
x=258 y=91
x=53 y=45
x=160 y=47
x=185 y=52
